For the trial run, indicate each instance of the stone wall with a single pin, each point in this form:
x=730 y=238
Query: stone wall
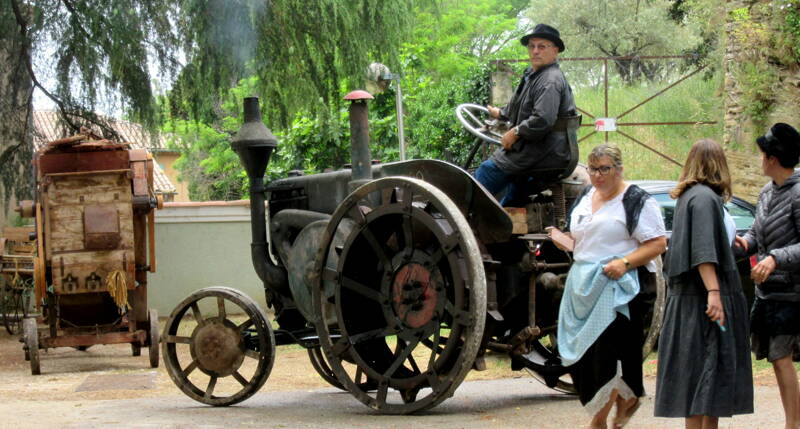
x=740 y=130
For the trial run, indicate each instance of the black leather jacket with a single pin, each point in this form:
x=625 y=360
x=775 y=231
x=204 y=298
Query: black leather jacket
x=541 y=97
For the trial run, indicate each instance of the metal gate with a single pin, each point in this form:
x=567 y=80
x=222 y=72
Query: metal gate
x=606 y=123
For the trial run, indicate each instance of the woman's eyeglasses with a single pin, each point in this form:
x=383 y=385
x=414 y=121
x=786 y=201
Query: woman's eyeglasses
x=603 y=170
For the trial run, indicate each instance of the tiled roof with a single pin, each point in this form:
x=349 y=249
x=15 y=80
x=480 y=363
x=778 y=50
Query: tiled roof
x=48 y=128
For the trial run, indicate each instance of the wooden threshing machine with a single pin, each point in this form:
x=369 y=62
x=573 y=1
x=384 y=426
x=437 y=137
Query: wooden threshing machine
x=94 y=221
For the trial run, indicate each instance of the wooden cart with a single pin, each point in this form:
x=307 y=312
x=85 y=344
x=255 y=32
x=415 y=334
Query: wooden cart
x=94 y=239
x=17 y=255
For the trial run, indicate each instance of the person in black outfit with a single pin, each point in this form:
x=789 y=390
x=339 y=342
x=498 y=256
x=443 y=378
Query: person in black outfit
x=704 y=368
x=775 y=236
x=538 y=112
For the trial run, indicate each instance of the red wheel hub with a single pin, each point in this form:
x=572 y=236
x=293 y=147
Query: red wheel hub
x=414 y=295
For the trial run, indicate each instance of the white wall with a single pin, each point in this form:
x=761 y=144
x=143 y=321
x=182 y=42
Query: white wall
x=200 y=245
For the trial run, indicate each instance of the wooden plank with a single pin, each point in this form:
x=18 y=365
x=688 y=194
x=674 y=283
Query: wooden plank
x=139 y=336
x=88 y=173
x=39 y=267
x=83 y=161
x=74 y=272
x=18 y=233
x=519 y=219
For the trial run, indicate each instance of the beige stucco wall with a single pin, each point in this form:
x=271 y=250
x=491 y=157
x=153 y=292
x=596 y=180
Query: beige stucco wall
x=166 y=160
x=200 y=245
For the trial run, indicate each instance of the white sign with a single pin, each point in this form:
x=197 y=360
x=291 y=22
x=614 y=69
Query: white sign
x=605 y=124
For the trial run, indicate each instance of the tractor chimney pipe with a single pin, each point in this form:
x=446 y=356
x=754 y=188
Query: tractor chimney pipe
x=360 y=155
x=254 y=144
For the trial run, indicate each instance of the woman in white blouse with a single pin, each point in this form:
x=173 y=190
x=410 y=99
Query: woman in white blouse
x=617 y=228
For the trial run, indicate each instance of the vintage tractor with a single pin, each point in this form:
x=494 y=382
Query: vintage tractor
x=397 y=278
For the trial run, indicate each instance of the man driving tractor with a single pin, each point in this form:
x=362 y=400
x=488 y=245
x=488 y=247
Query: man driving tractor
x=536 y=150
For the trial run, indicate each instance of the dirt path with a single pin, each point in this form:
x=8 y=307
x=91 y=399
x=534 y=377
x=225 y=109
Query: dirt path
x=56 y=398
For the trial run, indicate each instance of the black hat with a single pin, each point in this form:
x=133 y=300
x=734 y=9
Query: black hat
x=783 y=142
x=544 y=31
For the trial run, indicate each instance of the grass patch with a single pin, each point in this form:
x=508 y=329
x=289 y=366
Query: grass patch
x=695 y=99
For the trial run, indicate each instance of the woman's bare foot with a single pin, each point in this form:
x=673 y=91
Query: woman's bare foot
x=625 y=411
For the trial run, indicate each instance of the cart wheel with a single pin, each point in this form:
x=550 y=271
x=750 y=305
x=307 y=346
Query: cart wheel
x=14 y=304
x=409 y=294
x=136 y=349
x=228 y=361
x=324 y=370
x=543 y=364
x=31 y=335
x=153 y=351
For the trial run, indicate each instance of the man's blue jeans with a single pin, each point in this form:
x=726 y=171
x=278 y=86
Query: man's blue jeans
x=496 y=180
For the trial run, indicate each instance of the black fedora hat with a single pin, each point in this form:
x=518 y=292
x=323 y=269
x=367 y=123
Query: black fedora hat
x=544 y=31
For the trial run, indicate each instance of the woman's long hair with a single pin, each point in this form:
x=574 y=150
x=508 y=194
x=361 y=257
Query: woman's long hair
x=705 y=164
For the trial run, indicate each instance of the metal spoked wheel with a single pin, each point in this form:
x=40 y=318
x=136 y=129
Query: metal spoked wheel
x=545 y=357
x=214 y=355
x=16 y=299
x=409 y=293
x=31 y=339
x=324 y=370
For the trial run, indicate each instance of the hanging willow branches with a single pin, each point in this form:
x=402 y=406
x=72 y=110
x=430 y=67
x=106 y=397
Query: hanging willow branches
x=88 y=53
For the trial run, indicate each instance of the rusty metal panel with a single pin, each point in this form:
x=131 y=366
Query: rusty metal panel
x=83 y=161
x=101 y=227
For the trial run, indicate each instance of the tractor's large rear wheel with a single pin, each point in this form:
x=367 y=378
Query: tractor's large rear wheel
x=409 y=294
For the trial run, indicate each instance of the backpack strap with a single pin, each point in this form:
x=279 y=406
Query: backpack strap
x=633 y=202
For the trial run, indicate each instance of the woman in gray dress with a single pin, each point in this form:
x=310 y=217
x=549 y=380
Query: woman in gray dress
x=704 y=368
x=774 y=236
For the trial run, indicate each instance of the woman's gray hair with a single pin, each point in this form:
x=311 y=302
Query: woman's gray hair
x=609 y=150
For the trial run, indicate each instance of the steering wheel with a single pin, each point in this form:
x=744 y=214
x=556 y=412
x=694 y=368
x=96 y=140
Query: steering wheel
x=470 y=117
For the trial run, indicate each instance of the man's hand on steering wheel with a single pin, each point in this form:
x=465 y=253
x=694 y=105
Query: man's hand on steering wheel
x=509 y=138
x=493 y=111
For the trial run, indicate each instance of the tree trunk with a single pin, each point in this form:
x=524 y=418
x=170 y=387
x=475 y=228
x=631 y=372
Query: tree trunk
x=16 y=146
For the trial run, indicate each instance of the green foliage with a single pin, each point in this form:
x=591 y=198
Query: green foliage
x=434 y=131
x=759 y=81
x=303 y=53
x=768 y=38
x=452 y=36
x=102 y=48
x=791 y=29
x=207 y=164
x=439 y=66
x=618 y=28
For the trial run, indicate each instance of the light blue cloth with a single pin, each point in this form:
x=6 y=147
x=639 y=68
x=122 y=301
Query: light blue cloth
x=590 y=303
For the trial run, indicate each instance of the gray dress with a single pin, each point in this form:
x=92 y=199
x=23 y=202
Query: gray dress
x=701 y=369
